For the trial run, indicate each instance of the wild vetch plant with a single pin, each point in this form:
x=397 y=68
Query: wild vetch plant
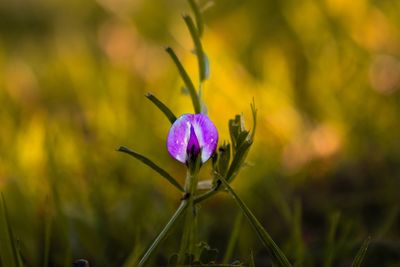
x=193 y=140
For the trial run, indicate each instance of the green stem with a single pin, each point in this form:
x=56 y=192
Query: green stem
x=189 y=228
x=198 y=47
x=207 y=194
x=163 y=233
x=197 y=16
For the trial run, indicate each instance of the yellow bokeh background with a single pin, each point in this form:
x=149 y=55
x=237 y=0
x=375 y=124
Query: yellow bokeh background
x=324 y=74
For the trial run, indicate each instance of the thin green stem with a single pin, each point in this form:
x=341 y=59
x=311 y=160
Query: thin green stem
x=163 y=233
x=198 y=47
x=207 y=194
x=197 y=15
x=188 y=238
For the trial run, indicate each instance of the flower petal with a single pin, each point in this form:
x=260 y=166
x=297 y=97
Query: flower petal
x=195 y=132
x=178 y=137
x=207 y=135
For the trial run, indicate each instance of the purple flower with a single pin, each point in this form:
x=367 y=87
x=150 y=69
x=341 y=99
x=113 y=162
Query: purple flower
x=190 y=135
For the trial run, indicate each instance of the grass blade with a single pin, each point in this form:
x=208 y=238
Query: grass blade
x=233 y=237
x=252 y=263
x=164 y=109
x=152 y=165
x=186 y=79
x=297 y=237
x=7 y=245
x=276 y=253
x=361 y=253
x=47 y=232
x=330 y=249
x=135 y=254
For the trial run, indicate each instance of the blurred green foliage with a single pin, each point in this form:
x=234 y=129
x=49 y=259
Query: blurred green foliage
x=325 y=167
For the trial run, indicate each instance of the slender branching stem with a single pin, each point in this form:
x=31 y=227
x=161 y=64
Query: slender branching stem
x=182 y=207
x=188 y=238
x=207 y=194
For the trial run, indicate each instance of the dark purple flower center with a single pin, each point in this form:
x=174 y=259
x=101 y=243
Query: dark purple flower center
x=193 y=147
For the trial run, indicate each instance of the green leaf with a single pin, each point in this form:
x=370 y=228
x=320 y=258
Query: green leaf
x=186 y=79
x=234 y=129
x=197 y=16
x=8 y=250
x=361 y=253
x=164 y=109
x=277 y=255
x=152 y=165
x=238 y=160
x=223 y=159
x=243 y=135
x=198 y=47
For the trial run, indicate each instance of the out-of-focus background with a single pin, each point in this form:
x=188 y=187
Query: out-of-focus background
x=323 y=174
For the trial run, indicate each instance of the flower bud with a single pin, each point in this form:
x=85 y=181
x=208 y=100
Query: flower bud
x=192 y=135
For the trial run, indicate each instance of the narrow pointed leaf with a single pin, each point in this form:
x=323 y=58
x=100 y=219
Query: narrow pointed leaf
x=223 y=159
x=198 y=47
x=8 y=250
x=235 y=126
x=186 y=79
x=238 y=160
x=152 y=165
x=265 y=238
x=233 y=239
x=361 y=253
x=164 y=109
x=197 y=16
x=243 y=135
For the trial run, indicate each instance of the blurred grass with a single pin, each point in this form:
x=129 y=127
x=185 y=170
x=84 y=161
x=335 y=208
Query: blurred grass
x=325 y=76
